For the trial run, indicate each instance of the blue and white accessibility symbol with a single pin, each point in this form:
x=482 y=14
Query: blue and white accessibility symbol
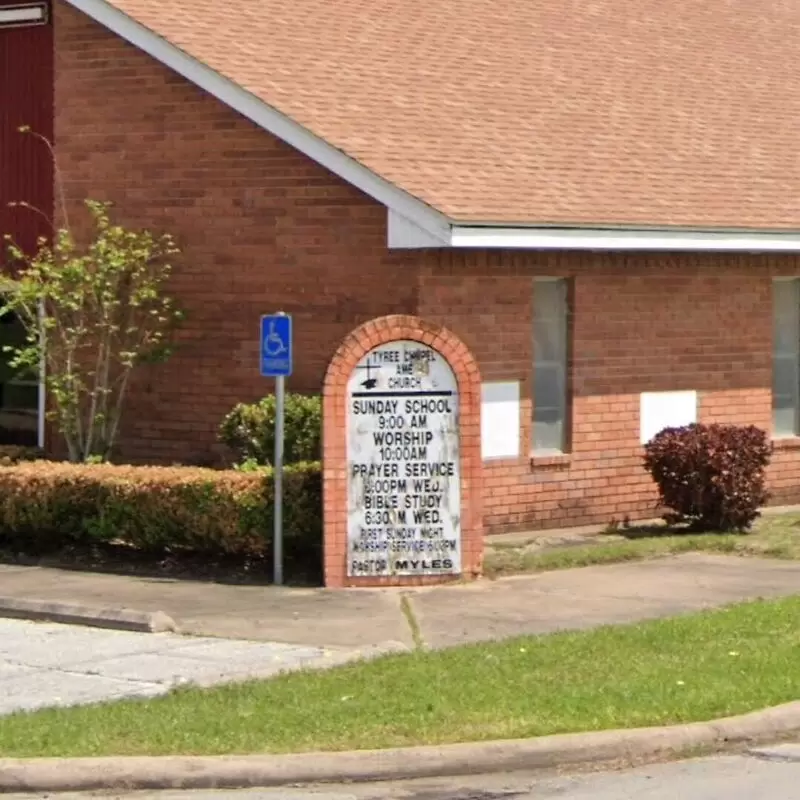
x=276 y=345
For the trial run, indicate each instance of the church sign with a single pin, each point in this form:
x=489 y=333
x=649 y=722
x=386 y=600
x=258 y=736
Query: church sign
x=403 y=468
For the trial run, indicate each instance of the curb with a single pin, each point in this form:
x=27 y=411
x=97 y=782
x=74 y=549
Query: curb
x=515 y=755
x=124 y=619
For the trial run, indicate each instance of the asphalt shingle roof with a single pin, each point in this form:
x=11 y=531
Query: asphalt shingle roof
x=653 y=112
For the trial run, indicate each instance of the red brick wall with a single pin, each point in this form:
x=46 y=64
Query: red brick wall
x=641 y=322
x=263 y=229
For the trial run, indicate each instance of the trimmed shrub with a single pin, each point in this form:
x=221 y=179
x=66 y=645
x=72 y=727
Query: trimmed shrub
x=711 y=476
x=46 y=506
x=249 y=430
x=14 y=453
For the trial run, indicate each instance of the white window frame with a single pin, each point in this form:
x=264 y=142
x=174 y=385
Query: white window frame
x=23 y=15
x=556 y=316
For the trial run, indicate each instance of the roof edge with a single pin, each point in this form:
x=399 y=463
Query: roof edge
x=585 y=238
x=265 y=116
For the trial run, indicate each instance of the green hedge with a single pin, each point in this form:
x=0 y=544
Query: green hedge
x=13 y=453
x=46 y=506
x=249 y=430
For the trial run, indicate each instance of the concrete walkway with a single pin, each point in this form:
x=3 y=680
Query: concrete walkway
x=446 y=616
x=44 y=665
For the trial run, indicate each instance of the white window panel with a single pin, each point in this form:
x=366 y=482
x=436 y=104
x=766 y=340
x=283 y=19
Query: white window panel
x=550 y=351
x=785 y=356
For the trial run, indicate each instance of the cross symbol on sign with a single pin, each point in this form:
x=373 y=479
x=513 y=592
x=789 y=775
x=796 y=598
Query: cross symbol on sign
x=370 y=382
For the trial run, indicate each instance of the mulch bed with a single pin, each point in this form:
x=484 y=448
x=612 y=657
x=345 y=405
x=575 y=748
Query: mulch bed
x=120 y=559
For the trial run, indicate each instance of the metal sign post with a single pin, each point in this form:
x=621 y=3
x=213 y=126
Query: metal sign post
x=276 y=362
x=277 y=536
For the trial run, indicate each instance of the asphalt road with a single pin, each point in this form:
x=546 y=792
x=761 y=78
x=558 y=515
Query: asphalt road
x=775 y=775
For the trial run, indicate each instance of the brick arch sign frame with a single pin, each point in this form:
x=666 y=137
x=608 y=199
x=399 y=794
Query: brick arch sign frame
x=356 y=345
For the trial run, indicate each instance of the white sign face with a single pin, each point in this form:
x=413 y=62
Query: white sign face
x=403 y=470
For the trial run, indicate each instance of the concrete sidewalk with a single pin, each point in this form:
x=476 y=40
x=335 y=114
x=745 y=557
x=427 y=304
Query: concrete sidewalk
x=44 y=665
x=446 y=616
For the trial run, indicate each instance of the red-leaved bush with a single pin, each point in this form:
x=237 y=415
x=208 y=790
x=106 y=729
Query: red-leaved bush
x=711 y=476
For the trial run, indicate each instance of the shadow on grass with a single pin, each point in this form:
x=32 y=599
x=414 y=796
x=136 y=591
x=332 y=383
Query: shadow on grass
x=655 y=531
x=660 y=530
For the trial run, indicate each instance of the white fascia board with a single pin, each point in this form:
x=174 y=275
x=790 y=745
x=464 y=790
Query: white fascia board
x=603 y=239
x=402 y=234
x=266 y=117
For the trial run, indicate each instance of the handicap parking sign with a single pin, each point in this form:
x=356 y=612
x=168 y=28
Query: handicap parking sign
x=276 y=345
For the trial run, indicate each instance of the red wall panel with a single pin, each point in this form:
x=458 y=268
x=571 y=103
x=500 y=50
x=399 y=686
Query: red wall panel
x=26 y=98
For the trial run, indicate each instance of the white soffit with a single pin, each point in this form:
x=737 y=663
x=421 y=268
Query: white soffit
x=607 y=239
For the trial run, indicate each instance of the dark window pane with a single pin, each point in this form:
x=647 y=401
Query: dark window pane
x=19 y=390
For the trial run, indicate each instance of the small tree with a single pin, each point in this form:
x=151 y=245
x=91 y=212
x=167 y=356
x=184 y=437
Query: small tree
x=91 y=314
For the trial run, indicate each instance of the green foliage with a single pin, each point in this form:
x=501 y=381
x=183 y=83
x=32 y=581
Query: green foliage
x=45 y=506
x=13 y=454
x=249 y=430
x=711 y=476
x=91 y=315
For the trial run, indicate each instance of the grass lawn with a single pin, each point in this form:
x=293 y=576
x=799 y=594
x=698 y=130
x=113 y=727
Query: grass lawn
x=689 y=668
x=773 y=535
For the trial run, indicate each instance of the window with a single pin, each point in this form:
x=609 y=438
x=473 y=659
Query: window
x=19 y=391
x=785 y=356
x=550 y=353
x=23 y=14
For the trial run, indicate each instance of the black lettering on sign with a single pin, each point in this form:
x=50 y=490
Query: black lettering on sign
x=370 y=533
x=427 y=517
x=368 y=565
x=384 y=517
x=403 y=453
x=419 y=421
x=414 y=564
x=435 y=470
x=375 y=406
x=423 y=501
x=428 y=405
x=369 y=547
x=385 y=357
x=419 y=354
x=381 y=501
x=402 y=437
x=405 y=382
x=386 y=485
